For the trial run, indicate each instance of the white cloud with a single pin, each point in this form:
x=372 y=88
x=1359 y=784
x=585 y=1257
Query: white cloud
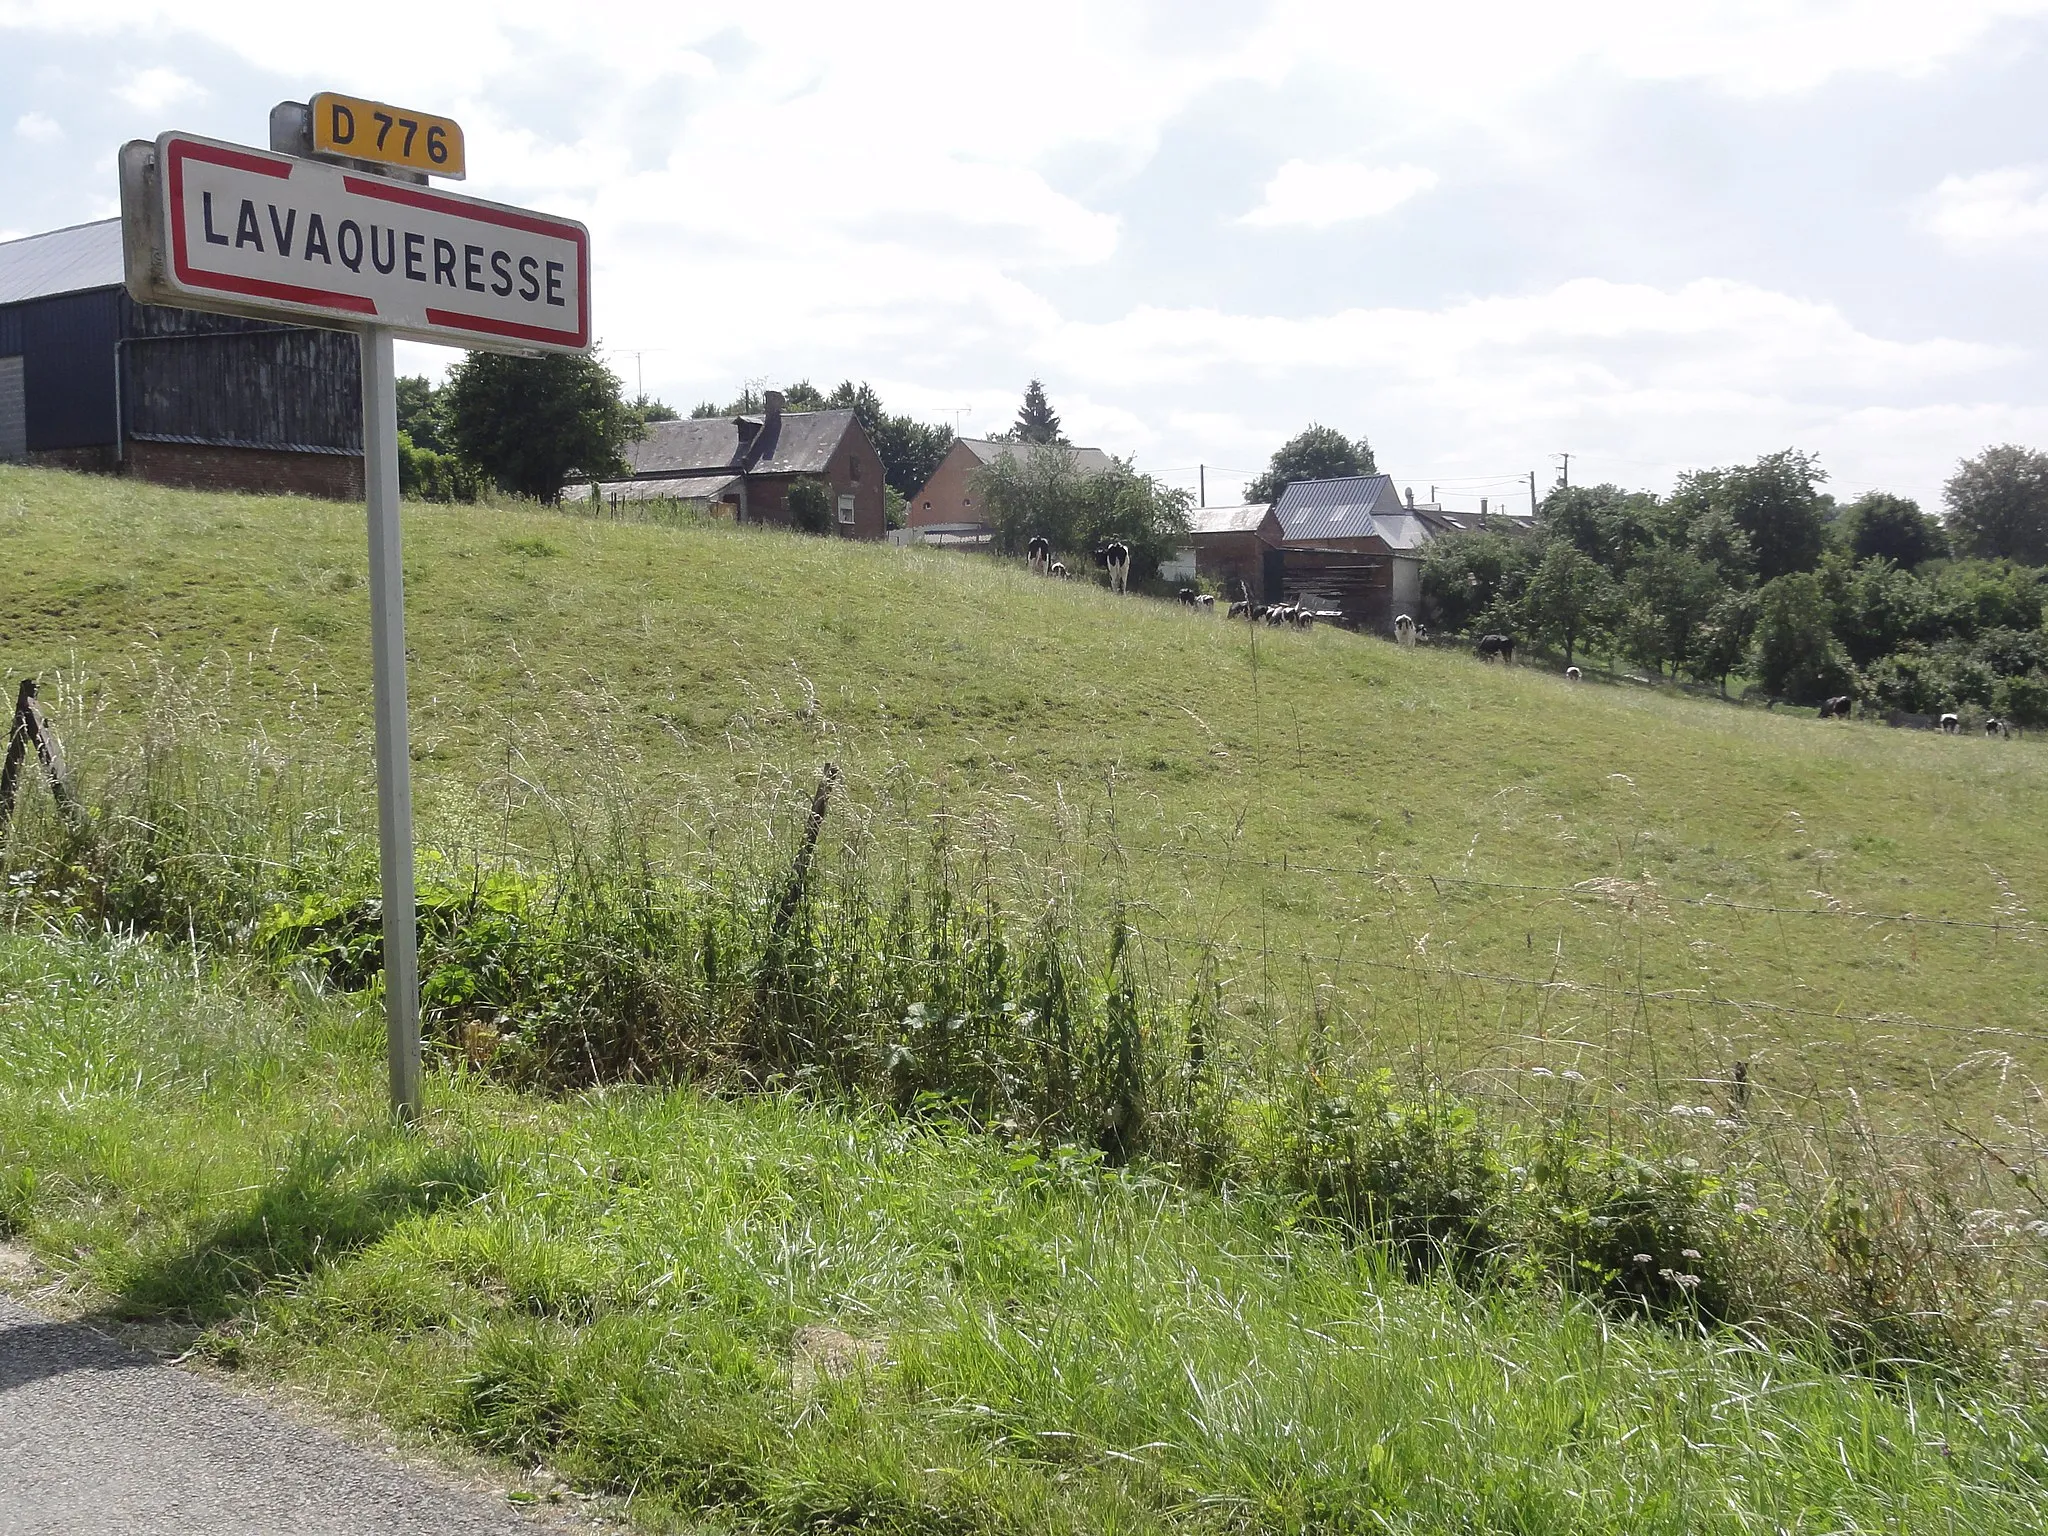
x=1335 y=192
x=1991 y=209
x=158 y=89
x=38 y=128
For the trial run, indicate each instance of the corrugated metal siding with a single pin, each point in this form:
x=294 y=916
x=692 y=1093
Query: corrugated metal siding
x=67 y=348
x=13 y=413
x=202 y=378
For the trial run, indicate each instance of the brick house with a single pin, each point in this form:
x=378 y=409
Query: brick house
x=944 y=510
x=1239 y=550
x=89 y=379
x=743 y=466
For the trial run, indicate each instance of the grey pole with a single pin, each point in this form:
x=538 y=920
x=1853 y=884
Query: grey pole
x=394 y=752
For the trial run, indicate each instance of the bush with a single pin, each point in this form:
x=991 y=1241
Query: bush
x=810 y=506
x=425 y=475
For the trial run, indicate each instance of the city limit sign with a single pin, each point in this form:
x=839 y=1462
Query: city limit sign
x=257 y=233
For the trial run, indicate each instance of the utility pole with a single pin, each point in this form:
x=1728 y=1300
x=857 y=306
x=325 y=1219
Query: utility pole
x=1564 y=478
x=1532 y=493
x=1202 y=479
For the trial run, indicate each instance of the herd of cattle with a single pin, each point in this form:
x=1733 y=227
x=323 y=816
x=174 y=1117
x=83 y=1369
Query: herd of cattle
x=1115 y=558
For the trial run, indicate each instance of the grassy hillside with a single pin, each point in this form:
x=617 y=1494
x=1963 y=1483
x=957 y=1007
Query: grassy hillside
x=1504 y=870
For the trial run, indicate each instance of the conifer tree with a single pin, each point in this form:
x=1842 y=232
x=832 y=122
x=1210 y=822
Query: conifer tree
x=1036 y=422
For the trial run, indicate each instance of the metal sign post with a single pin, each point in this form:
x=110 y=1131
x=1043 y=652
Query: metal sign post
x=359 y=243
x=394 y=736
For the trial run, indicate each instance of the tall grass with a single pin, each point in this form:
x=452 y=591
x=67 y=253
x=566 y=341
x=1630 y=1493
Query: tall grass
x=922 y=970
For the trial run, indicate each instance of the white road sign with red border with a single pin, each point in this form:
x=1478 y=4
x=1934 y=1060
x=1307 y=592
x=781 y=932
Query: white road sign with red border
x=252 y=229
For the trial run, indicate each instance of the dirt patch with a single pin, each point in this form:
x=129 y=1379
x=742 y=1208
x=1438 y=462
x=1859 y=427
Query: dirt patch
x=818 y=1354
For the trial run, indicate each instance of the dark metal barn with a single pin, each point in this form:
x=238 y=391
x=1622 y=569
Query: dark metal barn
x=89 y=379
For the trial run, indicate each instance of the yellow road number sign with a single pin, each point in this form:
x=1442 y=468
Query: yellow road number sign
x=373 y=130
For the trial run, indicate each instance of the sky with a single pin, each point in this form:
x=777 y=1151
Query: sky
x=1652 y=237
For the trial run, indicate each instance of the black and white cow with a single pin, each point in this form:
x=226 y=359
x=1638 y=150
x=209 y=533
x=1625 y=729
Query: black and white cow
x=1950 y=725
x=1836 y=708
x=1497 y=647
x=1188 y=597
x=1038 y=554
x=1997 y=727
x=1205 y=601
x=1404 y=632
x=1240 y=610
x=1572 y=674
x=1059 y=570
x=1115 y=558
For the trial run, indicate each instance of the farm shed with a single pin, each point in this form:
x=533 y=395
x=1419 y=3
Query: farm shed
x=1354 y=542
x=1239 y=545
x=743 y=466
x=943 y=511
x=89 y=379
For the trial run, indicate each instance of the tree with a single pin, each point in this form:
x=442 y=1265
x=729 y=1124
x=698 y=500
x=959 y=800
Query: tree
x=1036 y=421
x=1880 y=526
x=1611 y=525
x=1668 y=599
x=1568 y=598
x=810 y=506
x=1315 y=453
x=528 y=421
x=1042 y=492
x=420 y=415
x=1775 y=501
x=647 y=409
x=1877 y=604
x=1796 y=654
x=1472 y=582
x=1998 y=505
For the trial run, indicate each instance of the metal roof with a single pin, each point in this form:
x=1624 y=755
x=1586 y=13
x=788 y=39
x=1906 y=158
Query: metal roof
x=1239 y=519
x=794 y=443
x=1361 y=507
x=1089 y=461
x=680 y=488
x=73 y=260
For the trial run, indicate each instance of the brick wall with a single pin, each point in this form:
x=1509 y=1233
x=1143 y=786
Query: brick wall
x=948 y=497
x=102 y=460
x=267 y=471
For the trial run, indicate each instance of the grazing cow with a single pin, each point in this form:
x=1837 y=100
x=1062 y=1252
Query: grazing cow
x=1836 y=708
x=1950 y=725
x=1571 y=674
x=1997 y=727
x=1239 y=610
x=1422 y=634
x=1115 y=558
x=1304 y=618
x=1059 y=570
x=1205 y=600
x=1501 y=646
x=1404 y=632
x=1187 y=596
x=1038 y=553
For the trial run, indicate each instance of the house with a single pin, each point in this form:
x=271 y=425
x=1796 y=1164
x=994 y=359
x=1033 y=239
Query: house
x=89 y=379
x=1352 y=545
x=944 y=511
x=1239 y=550
x=743 y=466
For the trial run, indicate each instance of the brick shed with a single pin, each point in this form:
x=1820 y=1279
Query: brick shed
x=89 y=379
x=1239 y=549
x=1351 y=545
x=744 y=466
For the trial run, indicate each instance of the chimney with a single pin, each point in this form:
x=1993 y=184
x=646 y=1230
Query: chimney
x=771 y=406
x=1482 y=506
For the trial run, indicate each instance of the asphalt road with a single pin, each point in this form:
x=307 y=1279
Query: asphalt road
x=96 y=1439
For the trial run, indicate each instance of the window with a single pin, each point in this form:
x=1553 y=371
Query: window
x=846 y=506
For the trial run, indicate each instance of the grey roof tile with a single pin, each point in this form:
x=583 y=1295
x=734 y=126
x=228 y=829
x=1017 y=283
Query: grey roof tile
x=803 y=443
x=1363 y=506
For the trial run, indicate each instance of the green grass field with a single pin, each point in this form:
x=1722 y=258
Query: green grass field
x=792 y=1313
x=1502 y=870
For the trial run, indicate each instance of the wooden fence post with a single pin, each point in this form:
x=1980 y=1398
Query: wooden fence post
x=30 y=729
